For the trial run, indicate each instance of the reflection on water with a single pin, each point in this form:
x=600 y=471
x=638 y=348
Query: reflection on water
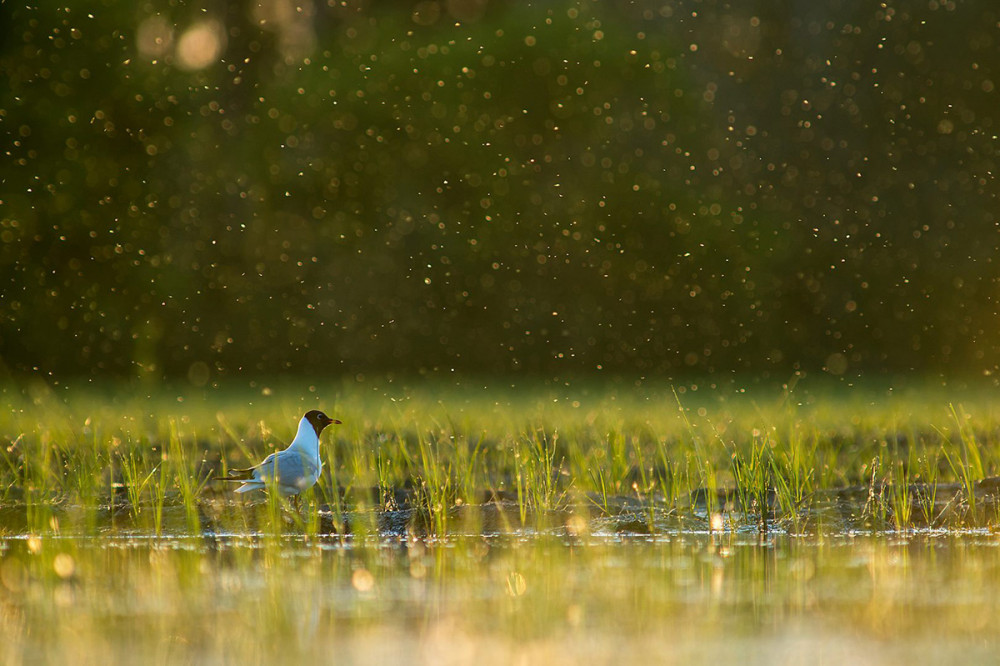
x=603 y=599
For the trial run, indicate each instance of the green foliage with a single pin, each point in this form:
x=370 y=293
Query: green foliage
x=644 y=456
x=555 y=189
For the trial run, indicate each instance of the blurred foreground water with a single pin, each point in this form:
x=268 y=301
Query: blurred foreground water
x=870 y=599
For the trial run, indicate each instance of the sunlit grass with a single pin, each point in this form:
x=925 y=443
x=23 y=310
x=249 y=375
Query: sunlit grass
x=118 y=460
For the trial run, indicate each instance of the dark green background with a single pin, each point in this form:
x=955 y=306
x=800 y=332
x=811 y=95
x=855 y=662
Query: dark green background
x=546 y=188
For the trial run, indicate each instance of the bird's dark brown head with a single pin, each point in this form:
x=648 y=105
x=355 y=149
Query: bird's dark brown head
x=318 y=420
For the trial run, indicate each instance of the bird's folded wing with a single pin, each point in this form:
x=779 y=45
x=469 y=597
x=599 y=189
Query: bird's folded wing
x=291 y=467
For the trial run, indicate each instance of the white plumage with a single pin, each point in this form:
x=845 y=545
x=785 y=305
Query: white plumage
x=292 y=470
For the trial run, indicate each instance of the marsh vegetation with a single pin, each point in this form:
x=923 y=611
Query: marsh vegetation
x=473 y=523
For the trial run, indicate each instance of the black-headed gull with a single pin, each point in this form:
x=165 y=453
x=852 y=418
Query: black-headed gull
x=290 y=471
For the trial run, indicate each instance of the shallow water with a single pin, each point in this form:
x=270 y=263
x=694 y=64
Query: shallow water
x=831 y=512
x=926 y=597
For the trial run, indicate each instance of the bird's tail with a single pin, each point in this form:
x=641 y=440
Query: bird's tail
x=236 y=475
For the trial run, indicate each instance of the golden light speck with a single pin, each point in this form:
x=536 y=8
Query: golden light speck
x=64 y=565
x=200 y=45
x=362 y=580
x=154 y=37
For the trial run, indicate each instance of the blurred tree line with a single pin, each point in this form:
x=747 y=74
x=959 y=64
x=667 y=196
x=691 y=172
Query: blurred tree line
x=651 y=188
